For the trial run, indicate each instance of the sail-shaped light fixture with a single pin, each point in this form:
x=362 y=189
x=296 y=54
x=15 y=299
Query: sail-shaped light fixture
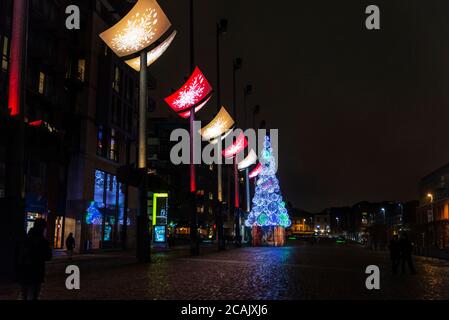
x=194 y=94
x=220 y=126
x=248 y=161
x=154 y=54
x=238 y=146
x=144 y=24
x=256 y=171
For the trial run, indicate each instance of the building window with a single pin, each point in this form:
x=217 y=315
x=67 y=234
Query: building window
x=113 y=146
x=107 y=209
x=81 y=69
x=5 y=56
x=42 y=80
x=116 y=82
x=101 y=148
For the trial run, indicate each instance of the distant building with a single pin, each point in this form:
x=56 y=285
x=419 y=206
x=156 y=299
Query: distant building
x=433 y=212
x=322 y=224
x=302 y=223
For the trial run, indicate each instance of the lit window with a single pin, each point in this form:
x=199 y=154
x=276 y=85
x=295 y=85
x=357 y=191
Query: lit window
x=5 y=53
x=113 y=148
x=100 y=142
x=42 y=82
x=81 y=69
x=116 y=82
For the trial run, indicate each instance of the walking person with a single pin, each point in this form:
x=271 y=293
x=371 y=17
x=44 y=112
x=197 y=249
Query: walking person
x=70 y=245
x=406 y=249
x=30 y=261
x=395 y=254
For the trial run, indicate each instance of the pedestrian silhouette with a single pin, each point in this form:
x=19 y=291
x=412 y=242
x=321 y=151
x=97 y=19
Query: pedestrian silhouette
x=70 y=245
x=395 y=254
x=31 y=256
x=406 y=249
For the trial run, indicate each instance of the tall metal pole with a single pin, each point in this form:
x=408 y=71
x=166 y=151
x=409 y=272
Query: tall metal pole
x=143 y=232
x=236 y=174
x=194 y=243
x=219 y=209
x=248 y=202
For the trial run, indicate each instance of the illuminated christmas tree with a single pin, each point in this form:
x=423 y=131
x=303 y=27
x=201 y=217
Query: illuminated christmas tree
x=268 y=207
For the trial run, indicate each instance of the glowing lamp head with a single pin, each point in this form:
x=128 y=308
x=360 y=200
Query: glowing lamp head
x=195 y=93
x=140 y=28
x=154 y=54
x=220 y=125
x=238 y=146
x=256 y=171
x=248 y=161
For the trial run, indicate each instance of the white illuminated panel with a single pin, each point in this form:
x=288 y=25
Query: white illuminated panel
x=218 y=126
x=248 y=161
x=140 y=28
x=154 y=54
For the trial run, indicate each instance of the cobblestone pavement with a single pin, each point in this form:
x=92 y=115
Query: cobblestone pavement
x=297 y=271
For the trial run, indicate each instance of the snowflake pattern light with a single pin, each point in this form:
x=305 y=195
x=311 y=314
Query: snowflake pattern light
x=255 y=172
x=191 y=95
x=154 y=54
x=221 y=124
x=186 y=114
x=140 y=28
x=248 y=161
x=238 y=146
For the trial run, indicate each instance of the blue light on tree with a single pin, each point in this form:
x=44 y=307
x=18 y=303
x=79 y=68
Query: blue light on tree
x=93 y=215
x=268 y=207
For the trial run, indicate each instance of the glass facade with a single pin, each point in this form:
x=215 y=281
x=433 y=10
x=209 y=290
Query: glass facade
x=105 y=214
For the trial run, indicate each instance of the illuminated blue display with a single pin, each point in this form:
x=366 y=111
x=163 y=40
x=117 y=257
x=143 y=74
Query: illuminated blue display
x=160 y=234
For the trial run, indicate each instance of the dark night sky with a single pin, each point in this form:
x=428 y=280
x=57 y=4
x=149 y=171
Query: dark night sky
x=362 y=114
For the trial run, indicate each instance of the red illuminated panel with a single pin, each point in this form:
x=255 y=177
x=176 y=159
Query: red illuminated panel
x=15 y=78
x=186 y=114
x=238 y=146
x=37 y=123
x=194 y=94
x=255 y=172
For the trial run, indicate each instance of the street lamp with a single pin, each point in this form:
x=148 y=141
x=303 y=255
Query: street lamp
x=133 y=38
x=430 y=196
x=188 y=100
x=244 y=166
x=237 y=147
x=222 y=29
x=220 y=127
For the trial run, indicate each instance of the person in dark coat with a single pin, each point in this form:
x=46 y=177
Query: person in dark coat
x=395 y=254
x=70 y=245
x=406 y=249
x=31 y=257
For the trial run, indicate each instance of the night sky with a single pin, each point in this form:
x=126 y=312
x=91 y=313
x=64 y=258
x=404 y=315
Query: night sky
x=363 y=115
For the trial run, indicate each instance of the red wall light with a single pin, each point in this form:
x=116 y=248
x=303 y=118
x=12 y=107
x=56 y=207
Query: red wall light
x=255 y=172
x=238 y=146
x=195 y=93
x=17 y=48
